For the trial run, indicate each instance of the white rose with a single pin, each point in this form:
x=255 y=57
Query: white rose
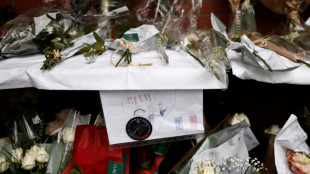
x=236 y=118
x=273 y=129
x=42 y=155
x=34 y=148
x=16 y=155
x=68 y=134
x=208 y=170
x=3 y=164
x=28 y=161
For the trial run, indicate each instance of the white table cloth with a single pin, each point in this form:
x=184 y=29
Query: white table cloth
x=183 y=72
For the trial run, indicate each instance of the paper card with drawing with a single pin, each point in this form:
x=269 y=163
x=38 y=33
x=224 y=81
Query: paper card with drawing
x=171 y=113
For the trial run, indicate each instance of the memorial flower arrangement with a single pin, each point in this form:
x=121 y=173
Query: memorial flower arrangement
x=33 y=160
x=26 y=153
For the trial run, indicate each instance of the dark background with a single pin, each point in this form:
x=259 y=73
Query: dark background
x=264 y=104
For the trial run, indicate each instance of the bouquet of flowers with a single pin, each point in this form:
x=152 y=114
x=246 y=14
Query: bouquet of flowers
x=268 y=53
x=290 y=148
x=243 y=17
x=26 y=154
x=172 y=18
x=225 y=151
x=203 y=47
x=67 y=132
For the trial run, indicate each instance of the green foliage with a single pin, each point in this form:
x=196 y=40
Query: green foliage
x=95 y=49
x=126 y=56
x=57 y=39
x=76 y=170
x=162 y=41
x=52 y=59
x=39 y=136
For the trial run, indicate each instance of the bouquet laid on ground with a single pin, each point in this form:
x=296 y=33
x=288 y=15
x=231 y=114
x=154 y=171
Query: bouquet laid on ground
x=51 y=30
x=226 y=151
x=26 y=153
x=171 y=18
x=64 y=126
x=91 y=152
x=203 y=47
x=140 y=39
x=290 y=148
x=268 y=53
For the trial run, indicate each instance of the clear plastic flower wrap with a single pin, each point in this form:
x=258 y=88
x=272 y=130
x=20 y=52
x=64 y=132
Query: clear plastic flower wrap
x=300 y=39
x=26 y=153
x=292 y=47
x=67 y=134
x=243 y=17
x=171 y=18
x=215 y=58
x=203 y=47
x=40 y=30
x=49 y=28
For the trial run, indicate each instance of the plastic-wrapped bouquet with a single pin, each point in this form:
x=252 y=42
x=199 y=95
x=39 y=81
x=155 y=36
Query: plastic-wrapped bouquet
x=26 y=154
x=67 y=134
x=172 y=18
x=203 y=47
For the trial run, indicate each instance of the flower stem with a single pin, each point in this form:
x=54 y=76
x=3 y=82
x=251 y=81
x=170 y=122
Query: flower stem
x=269 y=68
x=196 y=58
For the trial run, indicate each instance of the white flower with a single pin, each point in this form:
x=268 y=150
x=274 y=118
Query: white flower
x=33 y=151
x=193 y=37
x=73 y=33
x=236 y=118
x=68 y=134
x=208 y=170
x=16 y=155
x=42 y=156
x=3 y=164
x=273 y=129
x=185 y=43
x=28 y=161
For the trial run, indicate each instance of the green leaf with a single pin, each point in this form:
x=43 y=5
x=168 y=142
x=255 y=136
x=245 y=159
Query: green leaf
x=87 y=44
x=98 y=39
x=83 y=50
x=65 y=41
x=97 y=46
x=74 y=171
x=45 y=50
x=90 y=54
x=59 y=46
x=76 y=167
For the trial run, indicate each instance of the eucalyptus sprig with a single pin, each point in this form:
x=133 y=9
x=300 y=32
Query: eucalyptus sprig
x=97 y=48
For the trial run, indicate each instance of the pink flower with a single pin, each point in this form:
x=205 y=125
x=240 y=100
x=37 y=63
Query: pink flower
x=55 y=125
